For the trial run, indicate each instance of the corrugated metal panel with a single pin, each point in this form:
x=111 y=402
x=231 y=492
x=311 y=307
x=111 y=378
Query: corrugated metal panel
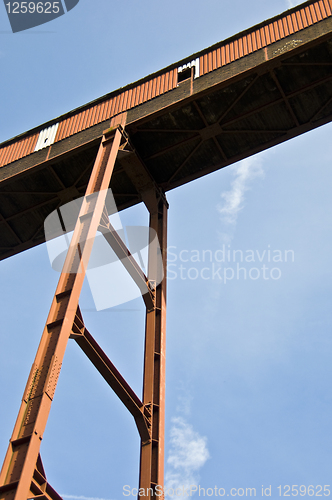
x=18 y=149
x=75 y=124
x=328 y=7
x=46 y=137
x=224 y=54
x=122 y=102
x=270 y=33
x=119 y=103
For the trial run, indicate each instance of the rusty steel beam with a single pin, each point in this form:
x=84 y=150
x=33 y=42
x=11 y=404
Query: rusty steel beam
x=128 y=261
x=239 y=97
x=282 y=92
x=112 y=376
x=16 y=477
x=321 y=109
x=38 y=205
x=152 y=453
x=185 y=161
x=174 y=146
x=5 y=221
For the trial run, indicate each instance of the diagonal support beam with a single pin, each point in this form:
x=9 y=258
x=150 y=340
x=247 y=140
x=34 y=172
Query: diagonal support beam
x=112 y=376
x=321 y=109
x=128 y=261
x=281 y=90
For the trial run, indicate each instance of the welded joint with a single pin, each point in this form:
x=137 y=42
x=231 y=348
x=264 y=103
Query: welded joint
x=77 y=330
x=109 y=133
x=147 y=419
x=8 y=487
x=147 y=410
x=144 y=425
x=152 y=185
x=152 y=286
x=152 y=198
x=126 y=143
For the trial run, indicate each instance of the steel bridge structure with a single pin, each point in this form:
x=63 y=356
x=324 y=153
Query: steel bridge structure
x=248 y=93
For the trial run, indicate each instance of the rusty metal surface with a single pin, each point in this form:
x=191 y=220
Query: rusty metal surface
x=265 y=35
x=222 y=54
x=18 y=149
x=262 y=107
x=231 y=117
x=152 y=452
x=22 y=475
x=94 y=114
x=208 y=129
x=117 y=104
x=21 y=461
x=260 y=100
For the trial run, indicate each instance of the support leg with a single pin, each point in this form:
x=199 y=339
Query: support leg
x=152 y=453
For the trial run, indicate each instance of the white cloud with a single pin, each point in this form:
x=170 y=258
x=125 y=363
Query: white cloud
x=293 y=3
x=184 y=400
x=187 y=455
x=233 y=202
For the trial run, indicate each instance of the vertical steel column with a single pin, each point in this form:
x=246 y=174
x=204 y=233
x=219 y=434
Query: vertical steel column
x=21 y=462
x=152 y=452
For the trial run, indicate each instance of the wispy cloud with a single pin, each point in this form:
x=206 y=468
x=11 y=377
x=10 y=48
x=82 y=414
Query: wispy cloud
x=184 y=399
x=187 y=455
x=293 y=3
x=233 y=200
x=75 y=497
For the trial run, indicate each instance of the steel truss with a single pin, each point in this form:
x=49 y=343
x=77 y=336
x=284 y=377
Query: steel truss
x=22 y=476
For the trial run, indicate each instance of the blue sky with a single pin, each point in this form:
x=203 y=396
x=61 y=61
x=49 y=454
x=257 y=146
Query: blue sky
x=248 y=360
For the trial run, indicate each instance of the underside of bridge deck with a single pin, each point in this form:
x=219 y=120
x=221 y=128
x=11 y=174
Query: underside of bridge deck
x=204 y=124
